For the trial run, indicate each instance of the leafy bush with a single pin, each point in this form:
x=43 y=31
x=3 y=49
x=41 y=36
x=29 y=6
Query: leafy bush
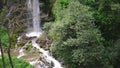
x=76 y=39
x=18 y=63
x=107 y=16
x=4 y=36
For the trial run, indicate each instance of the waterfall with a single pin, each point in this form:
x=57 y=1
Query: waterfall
x=34 y=13
x=34 y=18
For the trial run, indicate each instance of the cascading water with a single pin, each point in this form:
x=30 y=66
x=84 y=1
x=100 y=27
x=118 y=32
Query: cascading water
x=34 y=12
x=34 y=18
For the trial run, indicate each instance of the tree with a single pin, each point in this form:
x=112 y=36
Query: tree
x=5 y=36
x=106 y=16
x=76 y=39
x=2 y=54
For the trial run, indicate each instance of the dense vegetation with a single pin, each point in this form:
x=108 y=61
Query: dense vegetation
x=18 y=63
x=86 y=33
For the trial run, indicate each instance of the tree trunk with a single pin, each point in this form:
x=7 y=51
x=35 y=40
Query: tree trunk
x=2 y=54
x=9 y=55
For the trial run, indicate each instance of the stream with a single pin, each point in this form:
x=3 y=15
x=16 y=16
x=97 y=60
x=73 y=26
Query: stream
x=35 y=32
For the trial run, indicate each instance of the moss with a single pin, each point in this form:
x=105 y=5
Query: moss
x=29 y=47
x=14 y=39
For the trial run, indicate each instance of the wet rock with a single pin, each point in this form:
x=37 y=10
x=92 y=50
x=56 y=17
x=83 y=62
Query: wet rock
x=44 y=41
x=15 y=52
x=33 y=50
x=24 y=39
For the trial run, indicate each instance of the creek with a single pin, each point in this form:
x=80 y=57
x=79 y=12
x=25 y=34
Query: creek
x=34 y=31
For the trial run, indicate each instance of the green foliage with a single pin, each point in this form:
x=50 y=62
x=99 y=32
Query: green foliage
x=115 y=54
x=2 y=13
x=4 y=36
x=59 y=9
x=13 y=39
x=3 y=31
x=29 y=47
x=76 y=39
x=18 y=63
x=106 y=16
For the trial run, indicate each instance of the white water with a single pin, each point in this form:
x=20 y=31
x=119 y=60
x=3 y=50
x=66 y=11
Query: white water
x=46 y=55
x=21 y=53
x=34 y=12
x=34 y=15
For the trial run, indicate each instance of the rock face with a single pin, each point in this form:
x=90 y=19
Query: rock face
x=16 y=17
x=46 y=7
x=33 y=56
x=44 y=41
x=17 y=20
